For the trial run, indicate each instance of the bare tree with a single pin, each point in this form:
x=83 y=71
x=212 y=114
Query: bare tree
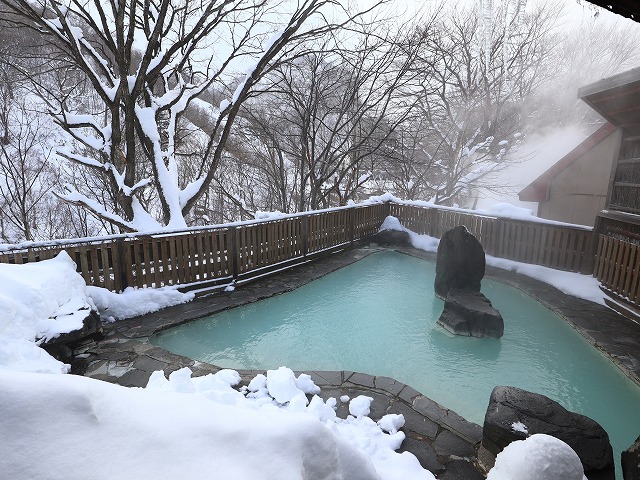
x=25 y=174
x=472 y=96
x=578 y=55
x=28 y=169
x=146 y=62
x=328 y=116
x=408 y=167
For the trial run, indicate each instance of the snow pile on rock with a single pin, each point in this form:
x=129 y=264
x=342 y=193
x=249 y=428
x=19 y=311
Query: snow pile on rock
x=39 y=301
x=539 y=457
x=135 y=301
x=189 y=428
x=422 y=242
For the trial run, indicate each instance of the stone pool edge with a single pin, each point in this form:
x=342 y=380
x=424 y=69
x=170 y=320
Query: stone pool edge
x=125 y=357
x=444 y=442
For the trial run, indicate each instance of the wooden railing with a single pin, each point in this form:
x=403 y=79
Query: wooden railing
x=617 y=267
x=209 y=257
x=216 y=256
x=558 y=246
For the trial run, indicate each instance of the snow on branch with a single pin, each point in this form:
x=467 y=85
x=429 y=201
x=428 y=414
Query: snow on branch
x=75 y=124
x=74 y=197
x=85 y=54
x=147 y=63
x=88 y=161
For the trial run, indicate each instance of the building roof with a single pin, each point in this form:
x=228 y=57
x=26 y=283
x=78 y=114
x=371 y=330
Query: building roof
x=626 y=8
x=616 y=98
x=538 y=190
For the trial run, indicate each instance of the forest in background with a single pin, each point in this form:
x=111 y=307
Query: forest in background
x=127 y=116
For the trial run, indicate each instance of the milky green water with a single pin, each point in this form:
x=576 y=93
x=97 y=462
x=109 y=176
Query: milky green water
x=378 y=316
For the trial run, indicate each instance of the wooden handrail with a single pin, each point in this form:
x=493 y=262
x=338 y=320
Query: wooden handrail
x=219 y=255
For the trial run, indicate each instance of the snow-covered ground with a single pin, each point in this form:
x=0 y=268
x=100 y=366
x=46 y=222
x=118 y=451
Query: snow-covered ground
x=191 y=428
x=183 y=426
x=66 y=426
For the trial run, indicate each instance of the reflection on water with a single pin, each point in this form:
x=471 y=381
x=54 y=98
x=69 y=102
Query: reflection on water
x=378 y=316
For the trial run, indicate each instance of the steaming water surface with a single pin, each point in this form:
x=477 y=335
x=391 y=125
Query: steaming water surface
x=379 y=315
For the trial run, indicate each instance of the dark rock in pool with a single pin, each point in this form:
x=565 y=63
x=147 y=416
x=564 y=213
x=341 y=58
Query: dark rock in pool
x=460 y=262
x=631 y=461
x=470 y=313
x=392 y=238
x=514 y=414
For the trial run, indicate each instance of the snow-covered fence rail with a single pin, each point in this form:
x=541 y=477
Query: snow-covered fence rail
x=563 y=247
x=218 y=255
x=203 y=257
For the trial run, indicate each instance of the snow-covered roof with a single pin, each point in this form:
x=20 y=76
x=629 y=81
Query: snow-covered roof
x=626 y=8
x=538 y=190
x=616 y=98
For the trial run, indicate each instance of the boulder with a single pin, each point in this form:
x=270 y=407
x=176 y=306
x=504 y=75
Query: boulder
x=631 y=461
x=469 y=313
x=59 y=346
x=392 y=238
x=460 y=262
x=514 y=414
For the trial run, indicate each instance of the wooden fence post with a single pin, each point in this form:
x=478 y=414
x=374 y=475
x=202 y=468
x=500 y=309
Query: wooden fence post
x=235 y=251
x=352 y=221
x=119 y=267
x=432 y=223
x=305 y=235
x=387 y=208
x=498 y=240
x=588 y=265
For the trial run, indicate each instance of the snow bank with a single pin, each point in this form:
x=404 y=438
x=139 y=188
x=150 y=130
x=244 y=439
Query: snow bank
x=422 y=242
x=135 y=301
x=539 y=457
x=577 y=285
x=42 y=300
x=186 y=427
x=506 y=210
x=39 y=301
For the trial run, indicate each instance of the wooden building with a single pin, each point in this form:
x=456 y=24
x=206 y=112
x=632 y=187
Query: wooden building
x=617 y=99
x=617 y=226
x=574 y=189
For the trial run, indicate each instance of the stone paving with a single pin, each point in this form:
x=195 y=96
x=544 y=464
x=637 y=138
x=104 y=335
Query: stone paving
x=443 y=441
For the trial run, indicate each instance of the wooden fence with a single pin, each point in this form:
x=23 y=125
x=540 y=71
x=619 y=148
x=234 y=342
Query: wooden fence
x=562 y=247
x=212 y=257
x=617 y=267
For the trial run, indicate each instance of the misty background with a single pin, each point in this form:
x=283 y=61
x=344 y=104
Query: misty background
x=460 y=104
